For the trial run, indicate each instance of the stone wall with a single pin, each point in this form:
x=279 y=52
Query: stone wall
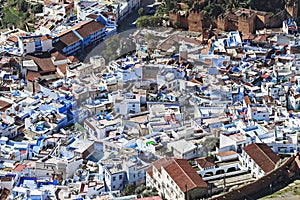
x=246 y=24
x=275 y=180
x=177 y=18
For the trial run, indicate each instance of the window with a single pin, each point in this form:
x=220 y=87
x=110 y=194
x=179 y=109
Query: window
x=120 y=177
x=114 y=178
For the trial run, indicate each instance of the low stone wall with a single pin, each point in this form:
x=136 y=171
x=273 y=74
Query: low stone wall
x=275 y=180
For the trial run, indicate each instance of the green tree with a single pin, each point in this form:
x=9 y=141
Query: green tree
x=129 y=190
x=140 y=189
x=141 y=11
x=177 y=24
x=112 y=45
x=38 y=8
x=209 y=144
x=23 y=5
x=148 y=21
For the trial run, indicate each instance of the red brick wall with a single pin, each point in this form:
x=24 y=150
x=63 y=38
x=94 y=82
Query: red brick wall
x=247 y=24
x=195 y=21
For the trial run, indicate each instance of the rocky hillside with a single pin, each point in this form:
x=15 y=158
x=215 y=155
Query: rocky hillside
x=18 y=13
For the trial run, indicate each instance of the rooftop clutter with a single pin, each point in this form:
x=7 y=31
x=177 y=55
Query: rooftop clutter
x=182 y=110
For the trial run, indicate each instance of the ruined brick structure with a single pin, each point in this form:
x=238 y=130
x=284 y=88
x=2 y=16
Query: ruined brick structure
x=195 y=21
x=179 y=18
x=228 y=22
x=244 y=20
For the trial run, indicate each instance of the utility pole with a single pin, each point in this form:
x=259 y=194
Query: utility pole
x=186 y=192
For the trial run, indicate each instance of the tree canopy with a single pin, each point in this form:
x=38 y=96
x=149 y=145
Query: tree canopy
x=148 y=21
x=214 y=8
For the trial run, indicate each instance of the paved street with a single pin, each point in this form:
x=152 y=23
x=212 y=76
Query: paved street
x=125 y=28
x=126 y=24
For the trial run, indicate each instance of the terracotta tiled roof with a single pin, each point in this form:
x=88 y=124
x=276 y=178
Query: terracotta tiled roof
x=31 y=76
x=69 y=38
x=160 y=163
x=84 y=29
x=63 y=68
x=247 y=100
x=73 y=59
x=4 y=104
x=44 y=62
x=297 y=96
x=150 y=173
x=58 y=56
x=262 y=155
x=205 y=162
x=226 y=153
x=19 y=168
x=13 y=39
x=4 y=194
x=89 y=28
x=184 y=175
x=92 y=16
x=45 y=37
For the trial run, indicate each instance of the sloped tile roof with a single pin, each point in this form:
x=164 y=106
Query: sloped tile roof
x=262 y=155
